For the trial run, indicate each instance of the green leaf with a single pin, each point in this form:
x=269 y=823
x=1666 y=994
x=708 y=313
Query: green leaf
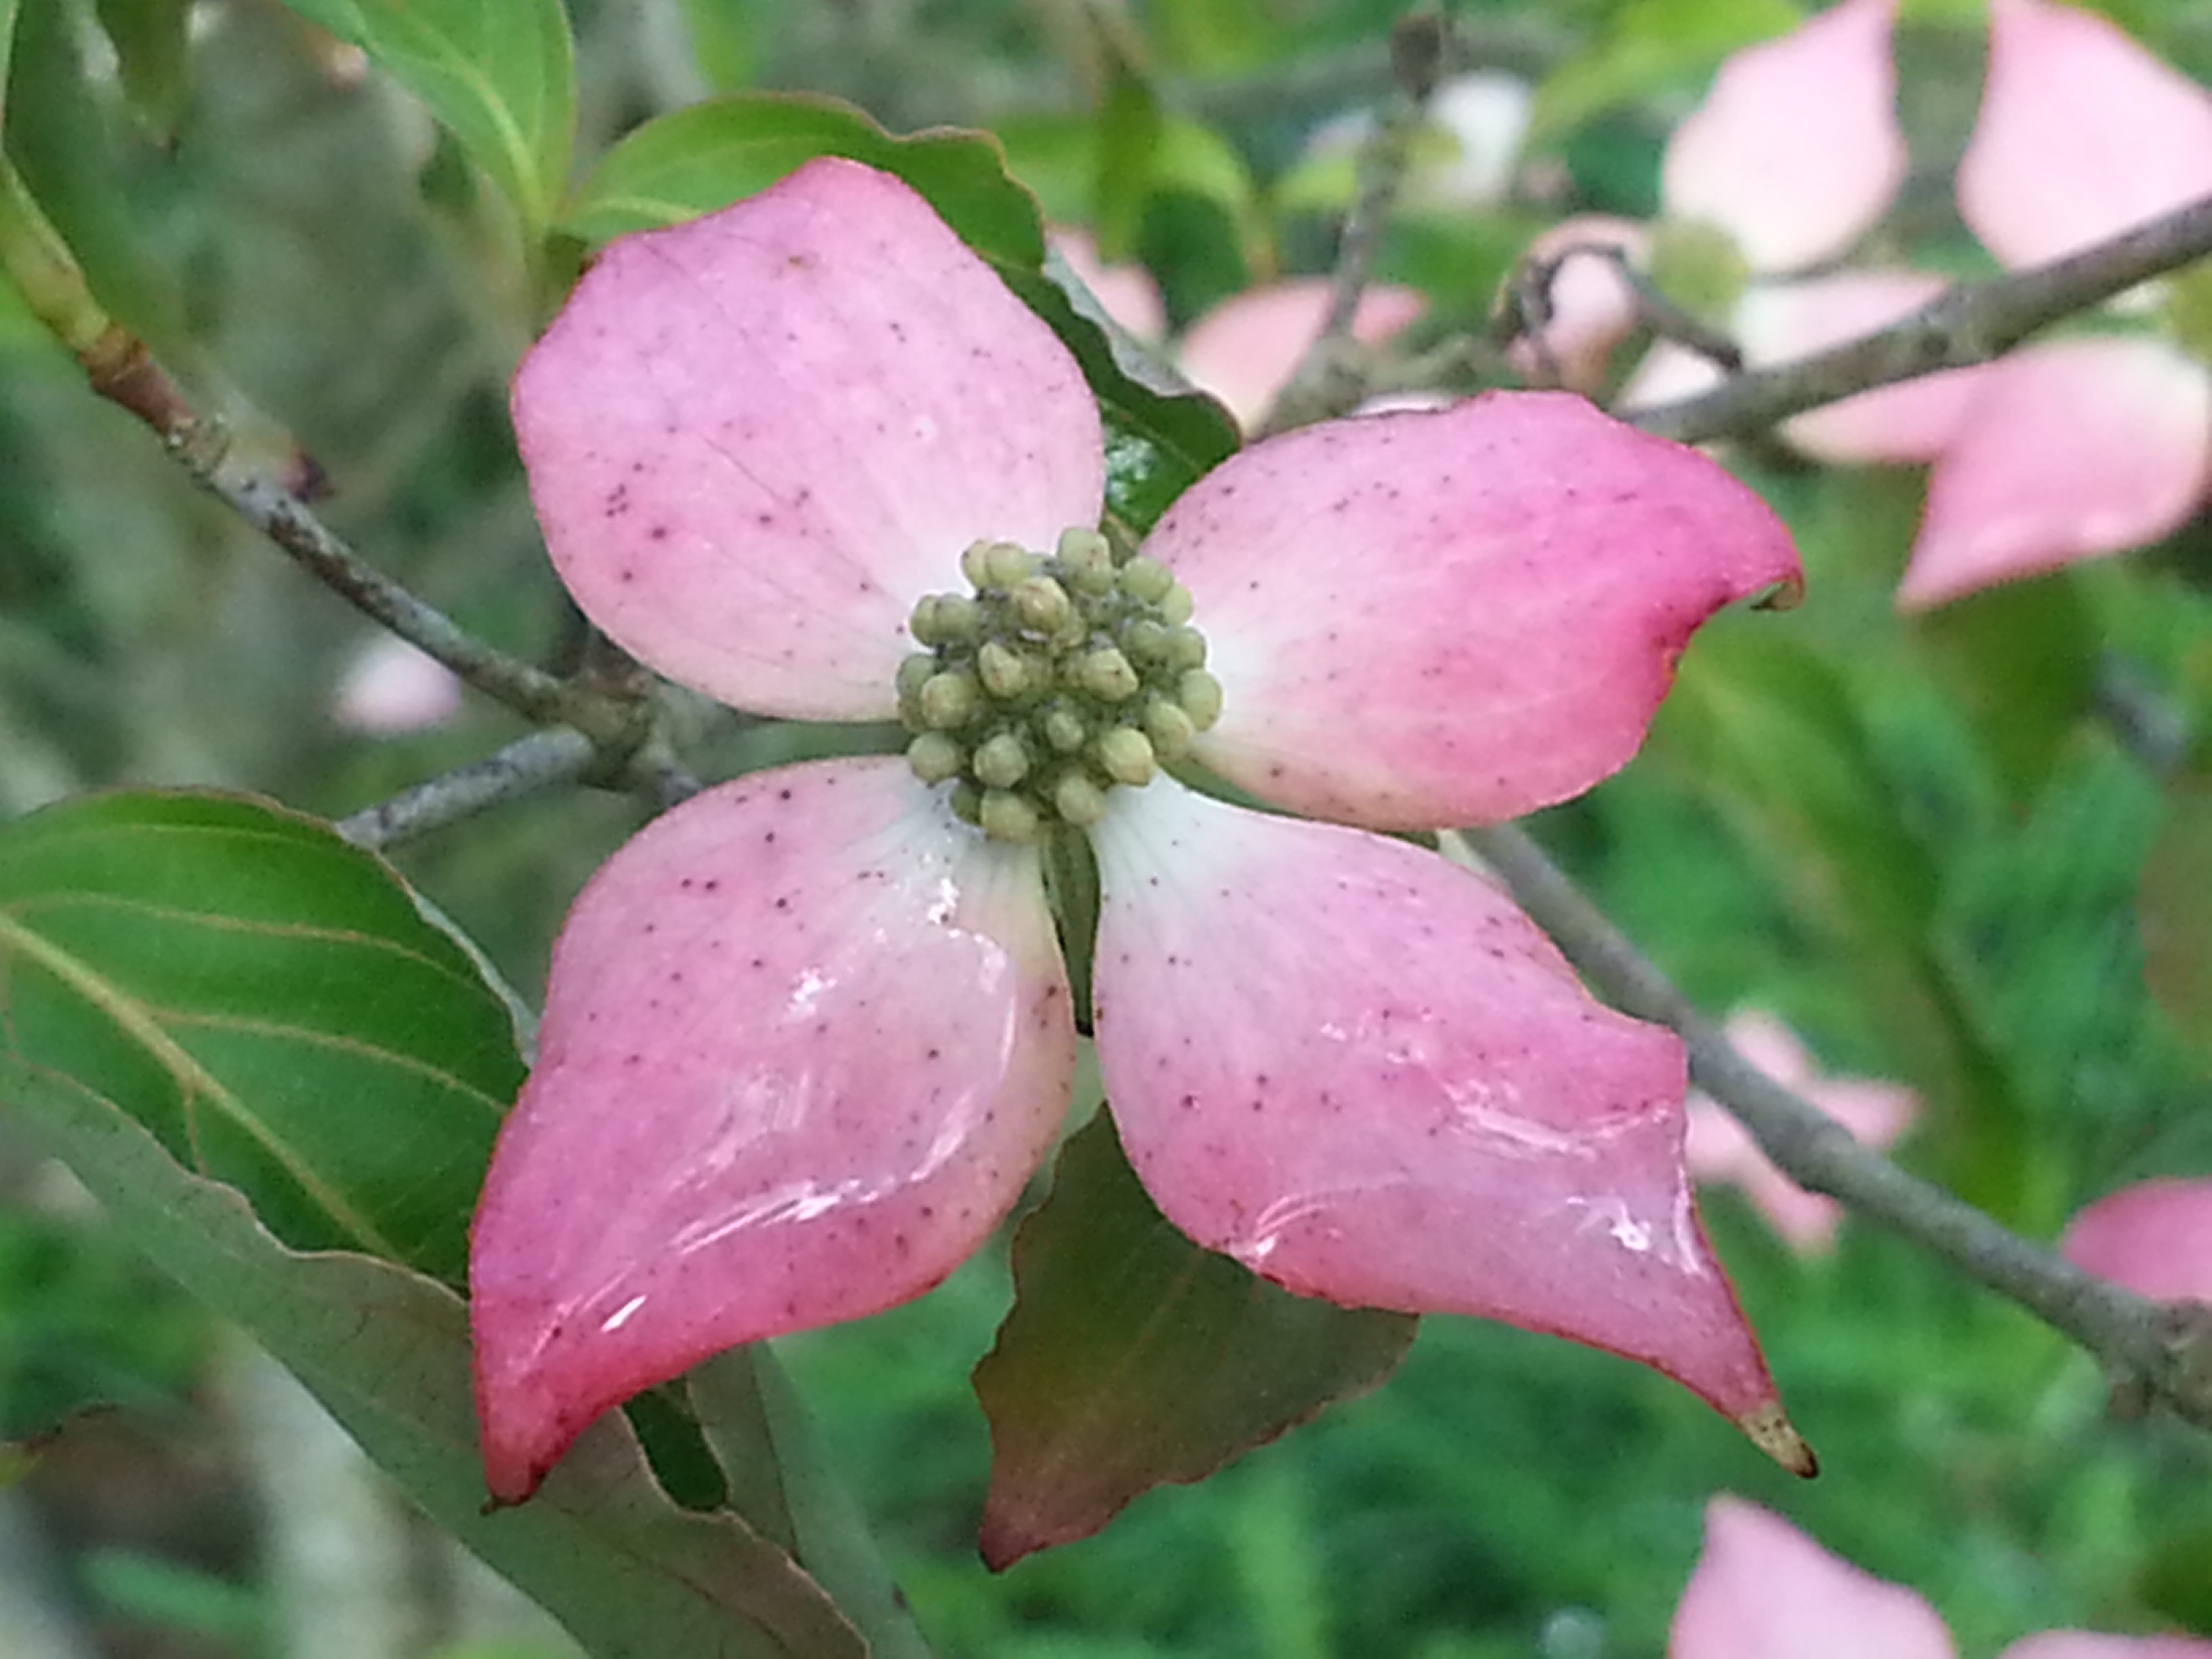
x=8 y=13
x=1129 y=125
x=1132 y=1358
x=2174 y=910
x=59 y=145
x=1652 y=45
x=386 y=1352
x=2022 y=661
x=709 y=156
x=706 y=155
x=151 y=51
x=501 y=73
x=1771 y=728
x=269 y=1003
x=782 y=1485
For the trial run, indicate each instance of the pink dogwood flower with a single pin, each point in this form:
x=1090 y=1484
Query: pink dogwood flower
x=2086 y=445
x=1793 y=154
x=807 y=1035
x=1719 y=1148
x=2155 y=1237
x=1764 y=1591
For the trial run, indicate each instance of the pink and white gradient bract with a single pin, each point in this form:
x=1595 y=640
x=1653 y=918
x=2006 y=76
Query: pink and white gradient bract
x=807 y=1035
x=1763 y=1589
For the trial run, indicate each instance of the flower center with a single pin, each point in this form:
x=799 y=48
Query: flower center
x=1061 y=675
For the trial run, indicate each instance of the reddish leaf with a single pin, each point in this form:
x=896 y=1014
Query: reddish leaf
x=1132 y=1358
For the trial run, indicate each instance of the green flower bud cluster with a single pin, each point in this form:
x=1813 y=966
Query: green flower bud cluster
x=1061 y=675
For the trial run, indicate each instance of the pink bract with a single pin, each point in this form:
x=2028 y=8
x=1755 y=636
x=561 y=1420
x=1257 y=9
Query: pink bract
x=2067 y=450
x=1796 y=151
x=807 y=1035
x=2072 y=448
x=1764 y=1591
x=2083 y=134
x=2155 y=1237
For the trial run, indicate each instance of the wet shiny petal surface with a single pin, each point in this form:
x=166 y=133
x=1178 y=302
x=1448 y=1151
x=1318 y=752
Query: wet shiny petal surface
x=1364 y=1073
x=807 y=1035
x=1455 y=616
x=1762 y=1589
x=755 y=440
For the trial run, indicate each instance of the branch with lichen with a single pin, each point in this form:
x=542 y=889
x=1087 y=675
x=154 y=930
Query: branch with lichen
x=1971 y=324
x=2154 y=1352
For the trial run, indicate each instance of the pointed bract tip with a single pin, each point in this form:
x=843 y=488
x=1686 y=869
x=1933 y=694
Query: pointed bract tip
x=1768 y=1428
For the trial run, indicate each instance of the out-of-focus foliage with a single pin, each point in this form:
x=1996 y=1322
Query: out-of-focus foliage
x=1967 y=851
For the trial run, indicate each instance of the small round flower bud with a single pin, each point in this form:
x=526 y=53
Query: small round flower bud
x=975 y=563
x=913 y=673
x=1088 y=560
x=1200 y=694
x=1176 y=604
x=967 y=802
x=949 y=701
x=1186 y=648
x=1106 y=675
x=1125 y=755
x=1041 y=603
x=1077 y=800
x=934 y=757
x=1008 y=565
x=1001 y=762
x=958 y=619
x=1008 y=818
x=1146 y=580
x=1147 y=642
x=1003 y=671
x=1065 y=730
x=1170 y=728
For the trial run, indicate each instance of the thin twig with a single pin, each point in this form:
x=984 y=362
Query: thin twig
x=560 y=755
x=2164 y=1352
x=1971 y=324
x=1329 y=378
x=268 y=480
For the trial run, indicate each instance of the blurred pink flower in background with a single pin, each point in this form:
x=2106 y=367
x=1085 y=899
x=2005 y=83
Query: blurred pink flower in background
x=391 y=689
x=1763 y=1589
x=1244 y=349
x=2155 y=1239
x=1720 y=1149
x=2078 y=446
x=1792 y=157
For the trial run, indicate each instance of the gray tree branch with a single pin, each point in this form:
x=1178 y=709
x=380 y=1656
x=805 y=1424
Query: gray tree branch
x=1972 y=323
